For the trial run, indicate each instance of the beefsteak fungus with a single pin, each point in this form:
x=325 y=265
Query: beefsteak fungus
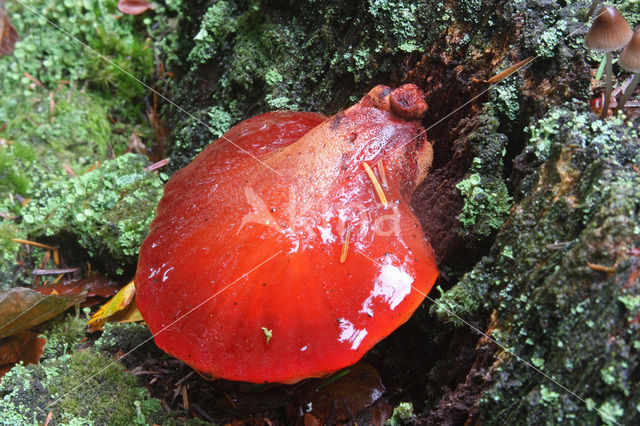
x=295 y=270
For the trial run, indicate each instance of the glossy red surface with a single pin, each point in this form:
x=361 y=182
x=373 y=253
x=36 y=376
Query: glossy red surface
x=226 y=213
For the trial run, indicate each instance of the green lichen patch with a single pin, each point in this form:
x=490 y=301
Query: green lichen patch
x=486 y=200
x=577 y=205
x=87 y=387
x=108 y=210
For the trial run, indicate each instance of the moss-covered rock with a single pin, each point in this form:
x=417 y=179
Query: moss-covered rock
x=107 y=210
x=561 y=280
x=84 y=387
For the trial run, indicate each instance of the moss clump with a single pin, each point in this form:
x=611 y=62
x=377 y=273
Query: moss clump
x=108 y=210
x=88 y=389
x=10 y=270
x=578 y=205
x=48 y=55
x=402 y=415
x=63 y=335
x=77 y=134
x=486 y=200
x=124 y=337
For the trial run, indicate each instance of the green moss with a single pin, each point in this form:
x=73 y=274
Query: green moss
x=108 y=210
x=402 y=415
x=88 y=389
x=124 y=337
x=63 y=335
x=10 y=252
x=45 y=53
x=79 y=135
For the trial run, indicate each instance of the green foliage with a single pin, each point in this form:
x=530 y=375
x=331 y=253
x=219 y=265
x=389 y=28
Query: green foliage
x=89 y=389
x=79 y=135
x=108 y=210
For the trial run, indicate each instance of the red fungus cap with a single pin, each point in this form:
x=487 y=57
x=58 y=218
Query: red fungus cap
x=609 y=31
x=261 y=276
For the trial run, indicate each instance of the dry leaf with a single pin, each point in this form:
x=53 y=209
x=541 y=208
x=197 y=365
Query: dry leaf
x=114 y=308
x=348 y=395
x=25 y=346
x=134 y=7
x=8 y=34
x=97 y=287
x=22 y=308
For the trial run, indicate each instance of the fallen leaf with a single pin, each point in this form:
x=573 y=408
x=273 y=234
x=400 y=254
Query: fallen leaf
x=25 y=346
x=128 y=314
x=134 y=7
x=8 y=34
x=345 y=396
x=97 y=286
x=22 y=308
x=119 y=305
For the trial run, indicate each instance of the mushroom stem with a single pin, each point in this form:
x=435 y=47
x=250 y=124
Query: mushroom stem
x=608 y=70
x=630 y=89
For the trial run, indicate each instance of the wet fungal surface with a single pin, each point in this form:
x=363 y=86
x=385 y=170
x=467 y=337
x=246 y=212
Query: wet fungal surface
x=289 y=254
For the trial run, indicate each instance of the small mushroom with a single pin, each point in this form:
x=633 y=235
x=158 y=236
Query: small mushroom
x=630 y=61
x=258 y=276
x=609 y=32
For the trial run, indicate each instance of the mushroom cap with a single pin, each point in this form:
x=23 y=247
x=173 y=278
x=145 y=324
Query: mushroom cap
x=241 y=275
x=630 y=56
x=609 y=31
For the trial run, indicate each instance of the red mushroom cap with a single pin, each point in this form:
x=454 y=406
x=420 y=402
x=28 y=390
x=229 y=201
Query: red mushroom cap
x=244 y=274
x=134 y=7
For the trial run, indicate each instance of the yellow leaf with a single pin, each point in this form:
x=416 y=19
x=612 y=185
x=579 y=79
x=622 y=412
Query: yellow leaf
x=118 y=303
x=130 y=314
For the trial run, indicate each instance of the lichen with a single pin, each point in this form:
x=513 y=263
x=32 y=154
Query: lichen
x=577 y=205
x=486 y=200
